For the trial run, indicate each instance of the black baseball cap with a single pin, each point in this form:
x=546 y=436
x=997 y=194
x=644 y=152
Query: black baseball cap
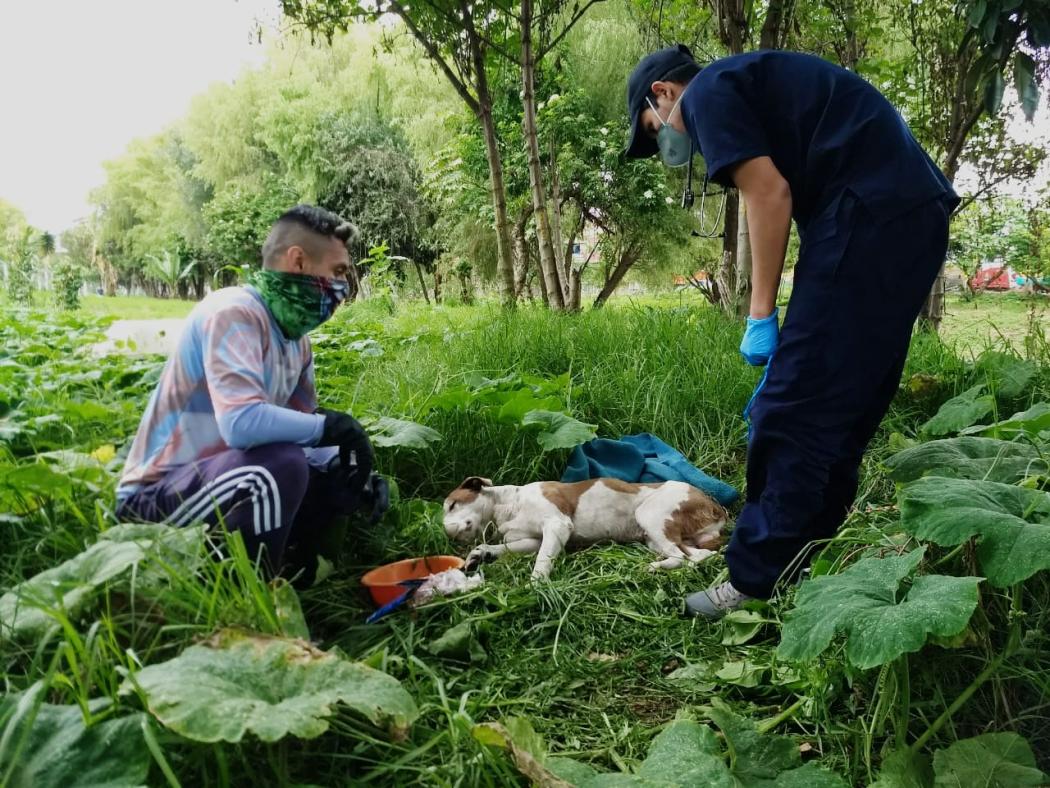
x=651 y=68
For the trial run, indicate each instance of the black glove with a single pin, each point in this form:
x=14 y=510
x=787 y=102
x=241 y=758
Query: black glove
x=346 y=432
x=378 y=492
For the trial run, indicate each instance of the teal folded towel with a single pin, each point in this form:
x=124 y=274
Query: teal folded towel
x=641 y=458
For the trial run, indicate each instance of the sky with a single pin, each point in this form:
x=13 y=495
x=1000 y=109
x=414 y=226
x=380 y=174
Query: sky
x=79 y=79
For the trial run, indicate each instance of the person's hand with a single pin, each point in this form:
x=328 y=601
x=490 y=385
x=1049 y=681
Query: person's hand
x=378 y=491
x=346 y=432
x=760 y=339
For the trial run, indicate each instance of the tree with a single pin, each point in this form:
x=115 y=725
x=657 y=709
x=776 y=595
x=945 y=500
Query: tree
x=962 y=52
x=366 y=172
x=23 y=266
x=239 y=219
x=458 y=37
x=169 y=271
x=68 y=278
x=12 y=225
x=627 y=200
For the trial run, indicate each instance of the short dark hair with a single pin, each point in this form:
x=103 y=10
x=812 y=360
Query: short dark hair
x=300 y=226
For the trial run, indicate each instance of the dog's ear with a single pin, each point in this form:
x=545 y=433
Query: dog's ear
x=475 y=483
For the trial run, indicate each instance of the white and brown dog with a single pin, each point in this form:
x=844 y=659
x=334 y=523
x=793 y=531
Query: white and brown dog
x=674 y=519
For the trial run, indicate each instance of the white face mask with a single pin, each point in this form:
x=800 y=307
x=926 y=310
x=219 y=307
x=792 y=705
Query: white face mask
x=676 y=147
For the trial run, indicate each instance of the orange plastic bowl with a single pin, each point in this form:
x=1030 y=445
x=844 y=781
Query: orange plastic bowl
x=382 y=582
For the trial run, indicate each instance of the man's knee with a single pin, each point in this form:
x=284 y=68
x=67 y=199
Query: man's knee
x=277 y=473
x=284 y=459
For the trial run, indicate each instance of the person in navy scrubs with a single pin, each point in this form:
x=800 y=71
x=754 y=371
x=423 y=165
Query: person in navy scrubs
x=803 y=139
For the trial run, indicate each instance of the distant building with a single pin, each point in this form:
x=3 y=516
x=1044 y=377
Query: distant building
x=585 y=247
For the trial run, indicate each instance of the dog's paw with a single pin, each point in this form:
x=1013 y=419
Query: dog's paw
x=671 y=562
x=700 y=554
x=479 y=555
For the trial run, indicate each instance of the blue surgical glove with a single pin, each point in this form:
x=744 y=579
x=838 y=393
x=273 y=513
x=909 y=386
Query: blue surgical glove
x=760 y=339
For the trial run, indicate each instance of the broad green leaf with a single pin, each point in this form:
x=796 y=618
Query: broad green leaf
x=766 y=760
x=559 y=431
x=905 y=769
x=367 y=347
x=967 y=458
x=976 y=13
x=529 y=754
x=742 y=673
x=67 y=587
x=1030 y=422
x=36 y=478
x=699 y=672
x=521 y=402
x=458 y=643
x=864 y=603
x=996 y=86
x=1012 y=524
x=49 y=746
x=808 y=776
x=757 y=756
x=968 y=408
x=157 y=536
x=451 y=399
x=272 y=687
x=1026 y=84
x=992 y=760
x=686 y=753
x=525 y=737
x=573 y=772
x=387 y=431
x=739 y=626
x=289 y=611
x=1008 y=375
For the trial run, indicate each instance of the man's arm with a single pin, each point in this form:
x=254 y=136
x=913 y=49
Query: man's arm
x=768 y=199
x=233 y=364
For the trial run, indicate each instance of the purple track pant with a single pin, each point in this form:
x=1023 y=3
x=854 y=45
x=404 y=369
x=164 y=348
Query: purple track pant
x=270 y=494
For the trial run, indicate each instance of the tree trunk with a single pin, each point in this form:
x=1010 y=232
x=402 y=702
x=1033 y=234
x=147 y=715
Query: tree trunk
x=562 y=259
x=106 y=273
x=965 y=115
x=743 y=262
x=466 y=291
x=725 y=277
x=732 y=31
x=775 y=26
x=548 y=262
x=522 y=261
x=628 y=257
x=932 y=313
x=505 y=261
x=422 y=281
x=574 y=275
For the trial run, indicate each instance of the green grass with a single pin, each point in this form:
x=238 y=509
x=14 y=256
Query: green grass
x=586 y=657
x=134 y=307
x=994 y=318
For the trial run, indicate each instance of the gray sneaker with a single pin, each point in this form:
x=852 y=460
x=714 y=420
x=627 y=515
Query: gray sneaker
x=714 y=602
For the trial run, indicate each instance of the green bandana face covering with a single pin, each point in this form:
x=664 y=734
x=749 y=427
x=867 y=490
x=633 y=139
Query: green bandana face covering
x=299 y=302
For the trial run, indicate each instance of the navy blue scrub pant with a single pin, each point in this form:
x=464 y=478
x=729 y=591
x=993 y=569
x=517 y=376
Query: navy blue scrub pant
x=859 y=286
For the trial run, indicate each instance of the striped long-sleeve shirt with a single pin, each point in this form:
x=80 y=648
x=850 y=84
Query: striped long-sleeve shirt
x=234 y=381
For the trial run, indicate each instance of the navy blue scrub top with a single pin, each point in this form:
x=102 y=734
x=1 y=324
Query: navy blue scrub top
x=825 y=128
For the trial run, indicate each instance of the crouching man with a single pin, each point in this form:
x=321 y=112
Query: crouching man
x=230 y=432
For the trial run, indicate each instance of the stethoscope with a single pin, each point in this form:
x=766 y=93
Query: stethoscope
x=688 y=199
